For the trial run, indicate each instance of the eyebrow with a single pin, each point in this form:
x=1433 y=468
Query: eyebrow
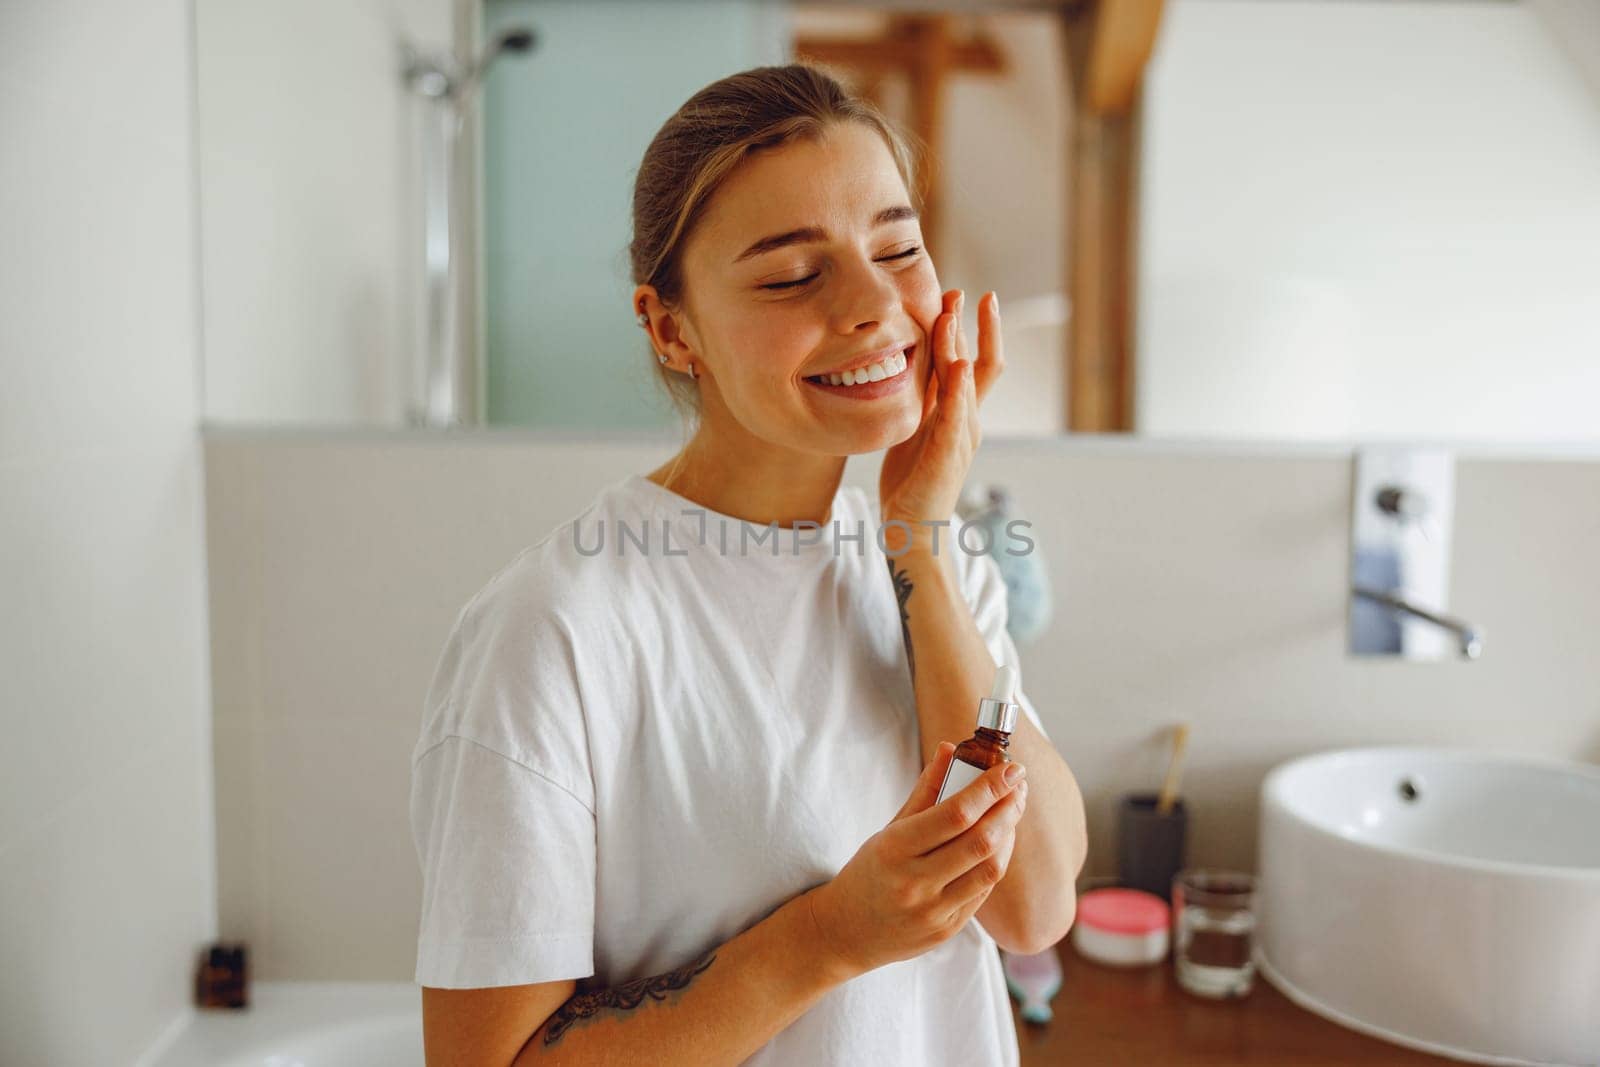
x=807 y=234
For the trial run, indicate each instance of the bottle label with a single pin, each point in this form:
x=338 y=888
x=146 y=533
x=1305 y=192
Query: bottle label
x=960 y=774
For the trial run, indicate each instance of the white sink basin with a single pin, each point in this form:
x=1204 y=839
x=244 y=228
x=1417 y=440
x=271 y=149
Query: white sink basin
x=1447 y=900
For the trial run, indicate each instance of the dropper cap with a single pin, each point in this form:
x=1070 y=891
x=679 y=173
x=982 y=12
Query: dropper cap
x=996 y=711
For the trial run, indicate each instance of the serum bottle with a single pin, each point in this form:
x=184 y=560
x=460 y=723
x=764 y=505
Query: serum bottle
x=997 y=717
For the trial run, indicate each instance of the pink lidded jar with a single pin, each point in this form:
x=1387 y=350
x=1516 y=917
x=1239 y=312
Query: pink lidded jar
x=1122 y=927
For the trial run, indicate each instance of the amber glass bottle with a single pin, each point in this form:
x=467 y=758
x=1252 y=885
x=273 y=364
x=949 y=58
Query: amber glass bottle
x=223 y=975
x=997 y=717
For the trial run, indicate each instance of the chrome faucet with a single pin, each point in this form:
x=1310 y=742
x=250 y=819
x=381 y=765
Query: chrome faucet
x=1404 y=501
x=1469 y=636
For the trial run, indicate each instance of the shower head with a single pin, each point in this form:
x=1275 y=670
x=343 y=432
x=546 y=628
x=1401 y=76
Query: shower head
x=444 y=76
x=519 y=39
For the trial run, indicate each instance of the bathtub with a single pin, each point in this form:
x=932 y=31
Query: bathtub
x=305 y=1024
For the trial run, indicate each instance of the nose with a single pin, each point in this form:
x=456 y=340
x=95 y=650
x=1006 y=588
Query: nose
x=866 y=296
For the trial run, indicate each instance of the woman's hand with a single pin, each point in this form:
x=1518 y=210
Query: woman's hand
x=916 y=882
x=922 y=476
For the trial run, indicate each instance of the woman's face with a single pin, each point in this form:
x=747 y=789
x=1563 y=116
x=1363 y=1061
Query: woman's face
x=809 y=261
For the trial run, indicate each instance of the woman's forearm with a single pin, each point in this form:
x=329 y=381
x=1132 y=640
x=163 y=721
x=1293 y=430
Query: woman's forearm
x=952 y=669
x=1037 y=899
x=718 y=1009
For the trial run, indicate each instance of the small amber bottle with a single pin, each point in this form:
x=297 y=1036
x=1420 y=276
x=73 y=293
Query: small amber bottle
x=997 y=717
x=222 y=977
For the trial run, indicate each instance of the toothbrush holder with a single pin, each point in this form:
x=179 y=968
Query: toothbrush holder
x=1150 y=846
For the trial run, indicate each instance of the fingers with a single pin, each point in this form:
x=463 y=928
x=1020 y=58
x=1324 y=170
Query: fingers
x=969 y=392
x=924 y=831
x=959 y=388
x=967 y=908
x=948 y=329
x=990 y=359
x=976 y=861
x=991 y=350
x=958 y=403
x=946 y=410
x=961 y=329
x=941 y=352
x=926 y=791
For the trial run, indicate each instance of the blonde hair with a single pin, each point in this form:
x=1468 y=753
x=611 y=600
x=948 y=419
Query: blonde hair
x=700 y=145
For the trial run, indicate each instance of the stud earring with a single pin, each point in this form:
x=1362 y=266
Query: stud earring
x=662 y=357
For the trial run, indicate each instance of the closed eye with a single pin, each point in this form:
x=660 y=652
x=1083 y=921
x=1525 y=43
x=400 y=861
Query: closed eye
x=802 y=281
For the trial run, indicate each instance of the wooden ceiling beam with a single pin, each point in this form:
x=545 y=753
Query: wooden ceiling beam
x=1123 y=35
x=896 y=56
x=1108 y=45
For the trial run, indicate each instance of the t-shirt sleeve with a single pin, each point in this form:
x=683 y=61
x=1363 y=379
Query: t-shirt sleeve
x=985 y=589
x=502 y=795
x=508 y=868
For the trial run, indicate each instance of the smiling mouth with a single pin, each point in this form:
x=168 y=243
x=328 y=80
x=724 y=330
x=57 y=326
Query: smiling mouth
x=883 y=370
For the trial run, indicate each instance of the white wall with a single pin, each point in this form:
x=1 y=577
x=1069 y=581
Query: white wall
x=106 y=856
x=1369 y=218
x=309 y=228
x=1191 y=582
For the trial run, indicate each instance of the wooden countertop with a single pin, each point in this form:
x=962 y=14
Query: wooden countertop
x=1107 y=1016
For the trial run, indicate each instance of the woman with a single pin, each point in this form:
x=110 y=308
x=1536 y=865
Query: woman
x=674 y=793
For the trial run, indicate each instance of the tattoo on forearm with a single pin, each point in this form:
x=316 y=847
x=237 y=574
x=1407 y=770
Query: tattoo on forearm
x=902 y=592
x=625 y=997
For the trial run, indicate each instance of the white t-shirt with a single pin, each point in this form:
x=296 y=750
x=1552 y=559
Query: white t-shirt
x=626 y=760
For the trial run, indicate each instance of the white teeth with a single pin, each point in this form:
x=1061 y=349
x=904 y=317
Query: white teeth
x=876 y=372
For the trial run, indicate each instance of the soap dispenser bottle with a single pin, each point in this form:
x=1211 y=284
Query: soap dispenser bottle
x=997 y=717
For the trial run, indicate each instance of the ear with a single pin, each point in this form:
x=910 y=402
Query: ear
x=669 y=330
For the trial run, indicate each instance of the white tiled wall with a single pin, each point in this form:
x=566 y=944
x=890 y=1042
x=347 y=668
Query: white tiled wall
x=106 y=857
x=1196 y=581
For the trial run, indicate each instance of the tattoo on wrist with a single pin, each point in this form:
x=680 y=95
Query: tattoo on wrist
x=902 y=592
x=625 y=997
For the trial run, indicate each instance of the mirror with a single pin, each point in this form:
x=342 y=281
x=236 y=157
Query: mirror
x=1320 y=220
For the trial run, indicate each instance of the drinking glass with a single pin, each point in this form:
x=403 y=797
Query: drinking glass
x=1215 y=921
